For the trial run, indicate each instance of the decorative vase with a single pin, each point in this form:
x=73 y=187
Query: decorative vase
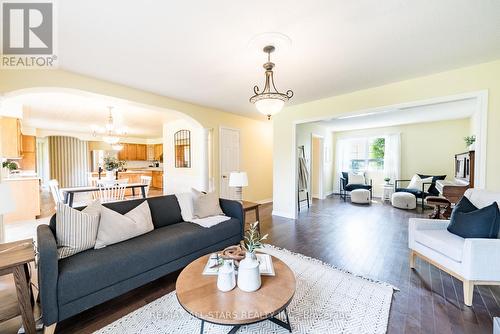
x=249 y=273
x=472 y=147
x=110 y=175
x=226 y=280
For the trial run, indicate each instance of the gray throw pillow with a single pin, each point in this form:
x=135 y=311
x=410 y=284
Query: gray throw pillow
x=205 y=205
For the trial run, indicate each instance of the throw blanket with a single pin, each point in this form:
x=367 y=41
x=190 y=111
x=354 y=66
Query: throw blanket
x=303 y=174
x=185 y=201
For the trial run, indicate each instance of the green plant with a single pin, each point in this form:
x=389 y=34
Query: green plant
x=469 y=140
x=9 y=165
x=387 y=179
x=111 y=163
x=378 y=148
x=253 y=240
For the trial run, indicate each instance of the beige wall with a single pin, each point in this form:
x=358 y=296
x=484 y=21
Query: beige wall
x=465 y=80
x=426 y=148
x=256 y=136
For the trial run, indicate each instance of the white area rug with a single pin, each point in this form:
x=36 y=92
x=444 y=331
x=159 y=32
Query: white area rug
x=327 y=300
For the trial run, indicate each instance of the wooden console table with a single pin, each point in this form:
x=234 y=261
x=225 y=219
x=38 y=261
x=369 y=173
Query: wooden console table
x=14 y=259
x=249 y=206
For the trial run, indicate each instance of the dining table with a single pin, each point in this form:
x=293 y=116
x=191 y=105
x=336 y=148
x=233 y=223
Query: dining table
x=69 y=193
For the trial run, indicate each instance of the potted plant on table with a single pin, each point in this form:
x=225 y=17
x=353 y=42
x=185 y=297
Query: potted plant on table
x=8 y=167
x=248 y=271
x=387 y=180
x=111 y=164
x=470 y=142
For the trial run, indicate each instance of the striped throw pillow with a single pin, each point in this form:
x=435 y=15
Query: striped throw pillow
x=76 y=230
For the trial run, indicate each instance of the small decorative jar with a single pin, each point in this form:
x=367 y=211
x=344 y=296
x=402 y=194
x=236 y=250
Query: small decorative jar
x=249 y=273
x=226 y=280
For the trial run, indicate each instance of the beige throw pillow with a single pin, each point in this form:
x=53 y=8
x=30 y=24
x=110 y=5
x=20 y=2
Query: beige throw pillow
x=115 y=227
x=76 y=230
x=416 y=183
x=205 y=205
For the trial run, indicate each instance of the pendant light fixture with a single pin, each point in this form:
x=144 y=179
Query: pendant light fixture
x=111 y=132
x=269 y=102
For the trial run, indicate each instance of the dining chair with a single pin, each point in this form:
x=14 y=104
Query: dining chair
x=56 y=193
x=92 y=182
x=147 y=181
x=112 y=192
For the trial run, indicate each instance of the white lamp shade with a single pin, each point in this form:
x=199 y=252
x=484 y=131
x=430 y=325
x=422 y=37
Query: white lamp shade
x=238 y=179
x=269 y=106
x=6 y=201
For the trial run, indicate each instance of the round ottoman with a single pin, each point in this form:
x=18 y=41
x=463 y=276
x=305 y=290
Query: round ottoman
x=404 y=200
x=360 y=196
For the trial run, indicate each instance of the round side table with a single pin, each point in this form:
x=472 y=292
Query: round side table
x=388 y=190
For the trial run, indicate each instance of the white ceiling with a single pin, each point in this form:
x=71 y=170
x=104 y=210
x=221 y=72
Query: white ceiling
x=72 y=113
x=198 y=51
x=434 y=112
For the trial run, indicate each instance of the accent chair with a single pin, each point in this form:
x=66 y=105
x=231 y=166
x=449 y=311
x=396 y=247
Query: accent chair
x=345 y=187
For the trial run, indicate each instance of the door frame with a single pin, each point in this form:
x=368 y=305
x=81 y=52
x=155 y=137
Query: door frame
x=321 y=172
x=221 y=128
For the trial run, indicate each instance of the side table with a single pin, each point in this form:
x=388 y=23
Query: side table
x=249 y=206
x=388 y=190
x=14 y=259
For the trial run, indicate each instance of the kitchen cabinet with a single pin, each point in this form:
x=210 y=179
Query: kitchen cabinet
x=157 y=181
x=133 y=152
x=26 y=194
x=28 y=161
x=11 y=137
x=158 y=152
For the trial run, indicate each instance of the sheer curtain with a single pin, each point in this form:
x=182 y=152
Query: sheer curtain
x=392 y=156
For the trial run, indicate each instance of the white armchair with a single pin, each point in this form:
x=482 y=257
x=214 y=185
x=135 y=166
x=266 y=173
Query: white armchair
x=473 y=261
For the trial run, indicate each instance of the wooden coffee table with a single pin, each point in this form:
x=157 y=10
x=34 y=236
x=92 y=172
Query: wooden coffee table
x=198 y=295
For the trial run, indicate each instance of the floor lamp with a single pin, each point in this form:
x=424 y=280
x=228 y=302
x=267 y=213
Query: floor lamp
x=238 y=180
x=6 y=205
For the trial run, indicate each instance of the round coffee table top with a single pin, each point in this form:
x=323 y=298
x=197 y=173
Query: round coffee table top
x=198 y=295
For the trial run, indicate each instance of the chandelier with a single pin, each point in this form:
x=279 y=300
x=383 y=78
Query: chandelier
x=111 y=132
x=270 y=101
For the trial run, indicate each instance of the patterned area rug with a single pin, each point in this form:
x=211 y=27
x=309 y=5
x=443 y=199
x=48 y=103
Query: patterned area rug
x=327 y=300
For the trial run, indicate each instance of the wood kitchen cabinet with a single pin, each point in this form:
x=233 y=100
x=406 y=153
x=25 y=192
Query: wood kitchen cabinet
x=157 y=181
x=132 y=152
x=11 y=137
x=28 y=161
x=158 y=152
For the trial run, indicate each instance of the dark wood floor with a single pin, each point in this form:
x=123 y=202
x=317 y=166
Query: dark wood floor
x=367 y=240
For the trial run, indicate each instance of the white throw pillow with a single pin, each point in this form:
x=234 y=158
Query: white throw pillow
x=416 y=183
x=205 y=205
x=76 y=230
x=115 y=227
x=354 y=178
x=185 y=201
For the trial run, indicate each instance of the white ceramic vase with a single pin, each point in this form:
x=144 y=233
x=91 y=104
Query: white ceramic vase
x=226 y=280
x=249 y=273
x=110 y=175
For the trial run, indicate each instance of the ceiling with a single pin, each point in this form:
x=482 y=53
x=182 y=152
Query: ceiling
x=198 y=51
x=72 y=113
x=458 y=109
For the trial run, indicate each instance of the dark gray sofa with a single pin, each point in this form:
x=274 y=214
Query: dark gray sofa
x=89 y=278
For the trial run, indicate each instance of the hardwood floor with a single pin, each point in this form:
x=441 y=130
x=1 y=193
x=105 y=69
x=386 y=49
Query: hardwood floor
x=366 y=240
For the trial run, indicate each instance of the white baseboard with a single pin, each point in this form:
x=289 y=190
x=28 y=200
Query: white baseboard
x=283 y=214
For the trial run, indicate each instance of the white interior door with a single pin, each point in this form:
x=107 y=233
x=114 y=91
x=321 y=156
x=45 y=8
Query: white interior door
x=229 y=144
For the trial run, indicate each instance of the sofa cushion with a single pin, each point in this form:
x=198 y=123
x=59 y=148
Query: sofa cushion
x=467 y=221
x=351 y=187
x=95 y=269
x=416 y=192
x=432 y=189
x=443 y=242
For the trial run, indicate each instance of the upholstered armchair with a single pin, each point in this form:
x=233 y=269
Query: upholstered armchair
x=420 y=193
x=345 y=187
x=473 y=261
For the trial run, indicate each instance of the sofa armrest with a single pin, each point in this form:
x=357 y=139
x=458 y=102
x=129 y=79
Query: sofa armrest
x=416 y=224
x=233 y=209
x=48 y=273
x=481 y=258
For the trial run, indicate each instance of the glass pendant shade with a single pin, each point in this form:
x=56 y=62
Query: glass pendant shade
x=270 y=106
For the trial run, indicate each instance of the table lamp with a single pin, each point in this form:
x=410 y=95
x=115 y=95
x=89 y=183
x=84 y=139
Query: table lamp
x=238 y=180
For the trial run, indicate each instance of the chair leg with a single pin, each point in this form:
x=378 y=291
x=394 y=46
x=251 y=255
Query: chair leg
x=468 y=292
x=50 y=329
x=413 y=258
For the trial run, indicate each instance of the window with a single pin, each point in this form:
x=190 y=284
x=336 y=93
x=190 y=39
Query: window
x=182 y=142
x=365 y=154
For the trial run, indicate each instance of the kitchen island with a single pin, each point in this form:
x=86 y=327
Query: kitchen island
x=26 y=193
